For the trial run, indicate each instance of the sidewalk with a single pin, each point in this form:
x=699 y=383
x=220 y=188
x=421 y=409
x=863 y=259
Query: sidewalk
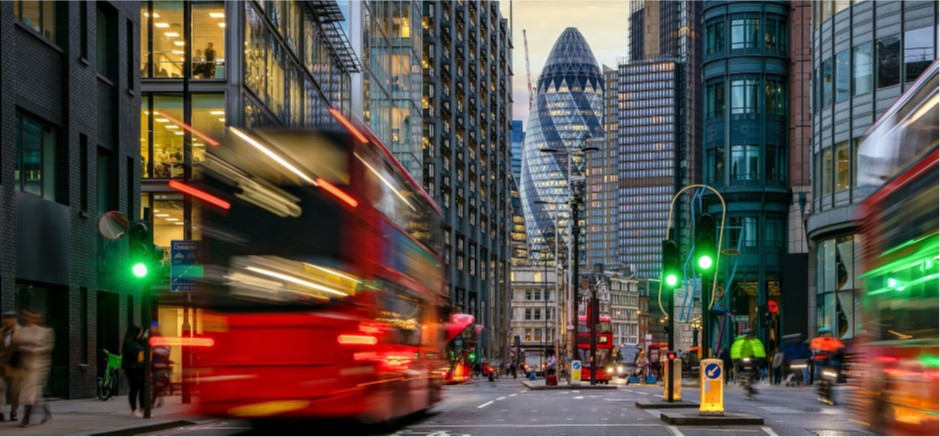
x=94 y=417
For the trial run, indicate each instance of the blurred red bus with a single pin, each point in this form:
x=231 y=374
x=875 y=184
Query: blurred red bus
x=605 y=346
x=896 y=351
x=323 y=290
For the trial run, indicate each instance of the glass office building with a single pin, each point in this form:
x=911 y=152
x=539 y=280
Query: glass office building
x=568 y=104
x=865 y=54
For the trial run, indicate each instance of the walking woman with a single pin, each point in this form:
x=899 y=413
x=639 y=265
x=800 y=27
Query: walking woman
x=132 y=360
x=34 y=341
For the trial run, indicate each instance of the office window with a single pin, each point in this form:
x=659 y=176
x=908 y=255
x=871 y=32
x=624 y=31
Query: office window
x=83 y=171
x=168 y=42
x=167 y=115
x=887 y=51
x=36 y=157
x=775 y=97
x=528 y=313
x=862 y=69
x=775 y=35
x=827 y=171
x=745 y=163
x=208 y=118
x=107 y=38
x=144 y=39
x=744 y=96
x=208 y=45
x=107 y=182
x=716 y=165
x=38 y=15
x=775 y=164
x=744 y=33
x=715 y=100
x=749 y=231
x=918 y=52
x=716 y=37
x=843 y=81
x=826 y=83
x=842 y=166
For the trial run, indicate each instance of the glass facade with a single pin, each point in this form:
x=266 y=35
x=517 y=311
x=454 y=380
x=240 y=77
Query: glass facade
x=647 y=161
x=568 y=104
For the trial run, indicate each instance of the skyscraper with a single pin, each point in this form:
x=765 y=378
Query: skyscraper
x=466 y=129
x=518 y=138
x=601 y=196
x=568 y=105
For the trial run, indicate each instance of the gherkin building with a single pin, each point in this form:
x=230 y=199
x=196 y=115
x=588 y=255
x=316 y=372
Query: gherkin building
x=568 y=104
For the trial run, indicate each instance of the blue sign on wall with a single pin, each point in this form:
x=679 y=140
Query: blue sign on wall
x=184 y=265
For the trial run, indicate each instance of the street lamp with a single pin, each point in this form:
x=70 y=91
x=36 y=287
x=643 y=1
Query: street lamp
x=557 y=295
x=576 y=200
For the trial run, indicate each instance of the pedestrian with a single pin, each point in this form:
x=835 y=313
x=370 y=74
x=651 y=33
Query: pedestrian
x=210 y=62
x=641 y=366
x=160 y=364
x=777 y=365
x=34 y=342
x=10 y=364
x=550 y=364
x=725 y=356
x=132 y=361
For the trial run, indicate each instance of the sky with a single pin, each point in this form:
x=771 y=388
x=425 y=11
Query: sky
x=602 y=22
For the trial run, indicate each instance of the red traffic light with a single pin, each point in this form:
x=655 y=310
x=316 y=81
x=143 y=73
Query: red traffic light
x=670 y=355
x=772 y=306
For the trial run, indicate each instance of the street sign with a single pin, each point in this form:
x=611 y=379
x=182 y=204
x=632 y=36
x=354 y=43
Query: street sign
x=184 y=265
x=711 y=388
x=576 y=372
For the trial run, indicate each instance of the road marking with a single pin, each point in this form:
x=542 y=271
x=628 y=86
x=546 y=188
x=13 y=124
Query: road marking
x=675 y=431
x=538 y=425
x=481 y=406
x=579 y=397
x=499 y=399
x=768 y=430
x=513 y=394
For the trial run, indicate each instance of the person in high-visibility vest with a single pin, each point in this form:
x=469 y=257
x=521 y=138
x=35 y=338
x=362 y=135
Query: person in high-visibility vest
x=747 y=352
x=827 y=352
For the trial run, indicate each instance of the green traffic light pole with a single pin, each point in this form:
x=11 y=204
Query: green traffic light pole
x=706 y=302
x=142 y=272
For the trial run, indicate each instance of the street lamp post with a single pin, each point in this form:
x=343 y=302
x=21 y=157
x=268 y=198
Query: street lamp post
x=576 y=200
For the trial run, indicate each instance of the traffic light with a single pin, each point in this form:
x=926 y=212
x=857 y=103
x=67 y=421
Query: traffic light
x=705 y=250
x=140 y=244
x=672 y=273
x=671 y=355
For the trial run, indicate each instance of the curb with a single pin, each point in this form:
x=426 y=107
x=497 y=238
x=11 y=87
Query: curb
x=727 y=419
x=664 y=404
x=147 y=428
x=567 y=387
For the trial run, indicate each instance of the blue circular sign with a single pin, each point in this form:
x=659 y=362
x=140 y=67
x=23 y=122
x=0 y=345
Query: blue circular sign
x=576 y=365
x=712 y=371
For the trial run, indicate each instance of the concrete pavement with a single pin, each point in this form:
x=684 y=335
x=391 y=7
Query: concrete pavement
x=95 y=417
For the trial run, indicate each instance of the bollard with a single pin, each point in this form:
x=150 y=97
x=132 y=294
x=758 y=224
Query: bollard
x=711 y=388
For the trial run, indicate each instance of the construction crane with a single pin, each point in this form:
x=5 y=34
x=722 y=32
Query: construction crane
x=528 y=69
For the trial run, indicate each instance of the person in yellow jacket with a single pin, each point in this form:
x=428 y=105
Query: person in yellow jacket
x=747 y=352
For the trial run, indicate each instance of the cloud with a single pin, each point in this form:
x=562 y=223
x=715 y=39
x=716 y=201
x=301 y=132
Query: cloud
x=603 y=24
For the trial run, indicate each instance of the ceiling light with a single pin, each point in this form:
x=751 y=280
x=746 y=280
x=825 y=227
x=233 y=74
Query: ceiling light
x=161 y=120
x=221 y=24
x=217 y=112
x=217 y=14
x=179 y=43
x=161 y=215
x=178 y=52
x=172 y=219
x=178 y=223
x=155 y=15
x=163 y=25
x=172 y=34
x=172 y=126
x=222 y=120
x=178 y=132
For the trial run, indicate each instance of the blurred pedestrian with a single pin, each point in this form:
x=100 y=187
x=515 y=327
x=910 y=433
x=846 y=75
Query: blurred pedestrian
x=160 y=366
x=725 y=356
x=34 y=342
x=132 y=361
x=10 y=365
x=777 y=365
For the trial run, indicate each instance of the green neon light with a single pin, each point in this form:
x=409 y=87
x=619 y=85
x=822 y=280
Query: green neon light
x=932 y=361
x=909 y=284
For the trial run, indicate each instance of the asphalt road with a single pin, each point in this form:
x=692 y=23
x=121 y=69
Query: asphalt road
x=505 y=407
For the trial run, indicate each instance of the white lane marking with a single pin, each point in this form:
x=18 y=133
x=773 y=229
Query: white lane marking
x=768 y=431
x=490 y=402
x=537 y=425
x=514 y=394
x=499 y=399
x=675 y=431
x=579 y=397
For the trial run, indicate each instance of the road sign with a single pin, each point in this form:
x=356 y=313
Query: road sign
x=711 y=388
x=576 y=372
x=184 y=265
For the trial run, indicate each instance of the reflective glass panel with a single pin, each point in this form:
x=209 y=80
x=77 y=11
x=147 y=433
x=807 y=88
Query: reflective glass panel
x=862 y=69
x=889 y=67
x=208 y=33
x=168 y=43
x=918 y=52
x=167 y=136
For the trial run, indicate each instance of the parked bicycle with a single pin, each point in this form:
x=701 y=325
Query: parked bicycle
x=108 y=384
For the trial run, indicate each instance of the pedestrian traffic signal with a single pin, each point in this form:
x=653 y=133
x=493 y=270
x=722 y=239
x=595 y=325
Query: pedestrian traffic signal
x=705 y=249
x=672 y=274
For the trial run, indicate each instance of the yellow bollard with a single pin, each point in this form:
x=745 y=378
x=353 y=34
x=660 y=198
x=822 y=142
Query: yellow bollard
x=711 y=388
x=676 y=376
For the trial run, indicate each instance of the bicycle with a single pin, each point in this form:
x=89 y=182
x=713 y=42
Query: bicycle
x=107 y=385
x=824 y=388
x=746 y=375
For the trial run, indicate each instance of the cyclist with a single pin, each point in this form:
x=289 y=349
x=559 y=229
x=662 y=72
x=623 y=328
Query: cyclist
x=747 y=351
x=827 y=353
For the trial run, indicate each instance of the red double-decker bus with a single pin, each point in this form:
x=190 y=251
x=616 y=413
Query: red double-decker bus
x=606 y=367
x=323 y=290
x=897 y=358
